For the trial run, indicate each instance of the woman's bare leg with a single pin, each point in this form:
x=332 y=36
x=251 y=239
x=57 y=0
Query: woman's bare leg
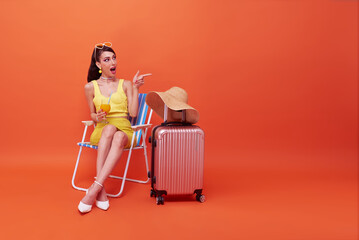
x=119 y=141
x=104 y=146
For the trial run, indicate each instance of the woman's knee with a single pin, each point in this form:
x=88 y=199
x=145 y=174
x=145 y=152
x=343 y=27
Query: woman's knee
x=108 y=131
x=120 y=139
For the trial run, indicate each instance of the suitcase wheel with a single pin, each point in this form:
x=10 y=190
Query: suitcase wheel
x=152 y=193
x=159 y=200
x=200 y=198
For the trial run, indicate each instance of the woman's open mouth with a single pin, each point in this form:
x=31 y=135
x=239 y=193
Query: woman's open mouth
x=113 y=70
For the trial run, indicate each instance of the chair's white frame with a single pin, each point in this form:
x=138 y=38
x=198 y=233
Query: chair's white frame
x=136 y=129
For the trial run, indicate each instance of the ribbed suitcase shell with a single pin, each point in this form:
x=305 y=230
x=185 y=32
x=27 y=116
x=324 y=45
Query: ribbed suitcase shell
x=178 y=159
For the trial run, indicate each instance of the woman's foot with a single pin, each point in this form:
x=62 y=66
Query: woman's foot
x=102 y=200
x=86 y=203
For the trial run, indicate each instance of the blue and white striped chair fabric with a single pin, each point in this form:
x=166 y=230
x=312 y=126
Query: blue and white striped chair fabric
x=141 y=116
x=139 y=120
x=86 y=144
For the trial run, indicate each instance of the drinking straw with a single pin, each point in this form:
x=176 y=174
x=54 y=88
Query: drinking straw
x=109 y=98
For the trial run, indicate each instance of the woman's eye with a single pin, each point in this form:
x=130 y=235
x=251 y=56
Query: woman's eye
x=106 y=60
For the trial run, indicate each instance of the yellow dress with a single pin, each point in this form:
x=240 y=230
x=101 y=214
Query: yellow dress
x=119 y=108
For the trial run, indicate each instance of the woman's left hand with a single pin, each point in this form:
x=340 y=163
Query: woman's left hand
x=138 y=80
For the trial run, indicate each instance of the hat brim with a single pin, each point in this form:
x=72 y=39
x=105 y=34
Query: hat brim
x=156 y=101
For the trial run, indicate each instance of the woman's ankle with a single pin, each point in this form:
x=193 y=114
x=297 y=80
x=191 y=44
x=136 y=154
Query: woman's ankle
x=102 y=195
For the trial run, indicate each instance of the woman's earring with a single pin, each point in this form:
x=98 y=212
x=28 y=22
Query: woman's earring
x=100 y=71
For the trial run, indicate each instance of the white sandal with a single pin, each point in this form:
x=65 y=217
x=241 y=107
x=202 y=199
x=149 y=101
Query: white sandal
x=85 y=208
x=104 y=205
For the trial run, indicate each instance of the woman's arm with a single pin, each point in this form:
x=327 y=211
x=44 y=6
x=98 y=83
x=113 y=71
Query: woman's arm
x=132 y=92
x=89 y=93
x=132 y=98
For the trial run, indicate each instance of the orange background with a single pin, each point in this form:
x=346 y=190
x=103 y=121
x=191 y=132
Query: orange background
x=276 y=85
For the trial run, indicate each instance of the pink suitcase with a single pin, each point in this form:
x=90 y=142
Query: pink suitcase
x=177 y=161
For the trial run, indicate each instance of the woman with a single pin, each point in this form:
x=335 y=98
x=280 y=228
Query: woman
x=113 y=131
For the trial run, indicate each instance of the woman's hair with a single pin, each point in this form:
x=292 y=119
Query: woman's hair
x=93 y=73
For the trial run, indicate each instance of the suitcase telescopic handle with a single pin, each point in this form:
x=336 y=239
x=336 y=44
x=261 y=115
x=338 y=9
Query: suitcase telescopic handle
x=166 y=113
x=176 y=124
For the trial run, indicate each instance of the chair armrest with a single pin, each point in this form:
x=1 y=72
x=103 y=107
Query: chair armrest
x=142 y=126
x=88 y=123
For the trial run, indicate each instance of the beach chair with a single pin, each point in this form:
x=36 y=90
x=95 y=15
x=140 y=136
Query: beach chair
x=140 y=127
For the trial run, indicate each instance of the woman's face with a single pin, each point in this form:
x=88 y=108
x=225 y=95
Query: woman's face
x=108 y=64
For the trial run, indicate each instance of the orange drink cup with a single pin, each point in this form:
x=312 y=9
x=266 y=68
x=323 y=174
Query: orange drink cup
x=105 y=107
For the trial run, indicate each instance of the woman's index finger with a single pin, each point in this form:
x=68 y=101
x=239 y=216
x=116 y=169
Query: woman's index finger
x=147 y=74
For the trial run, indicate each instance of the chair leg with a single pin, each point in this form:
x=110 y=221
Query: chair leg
x=75 y=171
x=146 y=162
x=117 y=177
x=145 y=153
x=136 y=180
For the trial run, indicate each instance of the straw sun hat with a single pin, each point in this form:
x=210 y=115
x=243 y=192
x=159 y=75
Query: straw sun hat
x=176 y=99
